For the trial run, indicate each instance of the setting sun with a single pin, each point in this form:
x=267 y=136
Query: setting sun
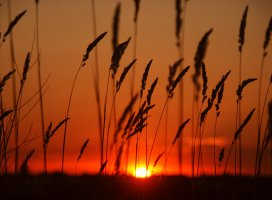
x=142 y=173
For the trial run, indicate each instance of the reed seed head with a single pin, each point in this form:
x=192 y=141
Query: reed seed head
x=103 y=166
x=239 y=131
x=115 y=26
x=157 y=159
x=24 y=164
x=91 y=47
x=178 y=20
x=5 y=114
x=123 y=75
x=137 y=8
x=123 y=116
x=26 y=67
x=5 y=79
x=242 y=29
x=172 y=73
x=199 y=58
x=181 y=127
x=151 y=90
x=205 y=80
x=178 y=79
x=269 y=134
x=82 y=149
x=13 y=23
x=117 y=55
x=144 y=79
x=267 y=34
x=219 y=99
x=213 y=96
x=221 y=156
x=242 y=86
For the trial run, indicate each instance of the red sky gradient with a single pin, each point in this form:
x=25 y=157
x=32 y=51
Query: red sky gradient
x=66 y=30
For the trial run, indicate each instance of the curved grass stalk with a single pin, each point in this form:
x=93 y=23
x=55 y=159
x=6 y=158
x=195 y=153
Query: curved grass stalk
x=200 y=146
x=156 y=133
x=195 y=136
x=67 y=115
x=90 y=47
x=214 y=152
x=40 y=87
x=96 y=81
x=260 y=126
x=13 y=88
x=109 y=124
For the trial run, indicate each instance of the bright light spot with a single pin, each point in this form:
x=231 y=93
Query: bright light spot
x=142 y=172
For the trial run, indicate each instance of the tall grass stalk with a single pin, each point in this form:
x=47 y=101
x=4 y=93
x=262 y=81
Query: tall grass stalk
x=4 y=114
x=149 y=97
x=170 y=94
x=180 y=37
x=200 y=157
x=166 y=135
x=118 y=86
x=14 y=122
x=262 y=148
x=142 y=89
x=97 y=82
x=217 y=107
x=12 y=53
x=236 y=135
x=265 y=45
x=178 y=134
x=67 y=115
x=40 y=84
x=115 y=59
x=198 y=59
x=137 y=9
x=180 y=47
x=209 y=106
x=135 y=37
x=115 y=41
x=172 y=72
x=82 y=64
x=238 y=102
x=3 y=135
x=241 y=43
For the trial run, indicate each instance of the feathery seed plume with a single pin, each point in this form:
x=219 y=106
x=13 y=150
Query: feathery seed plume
x=144 y=79
x=242 y=29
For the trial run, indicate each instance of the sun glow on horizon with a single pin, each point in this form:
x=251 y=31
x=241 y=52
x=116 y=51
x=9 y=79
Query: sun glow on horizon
x=141 y=172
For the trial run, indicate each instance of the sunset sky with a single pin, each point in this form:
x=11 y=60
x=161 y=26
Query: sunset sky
x=66 y=29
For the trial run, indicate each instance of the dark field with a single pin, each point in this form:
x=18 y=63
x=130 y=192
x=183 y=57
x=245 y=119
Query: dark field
x=123 y=187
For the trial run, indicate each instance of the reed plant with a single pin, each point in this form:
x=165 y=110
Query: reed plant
x=198 y=59
x=40 y=85
x=205 y=112
x=90 y=47
x=217 y=108
x=264 y=54
x=267 y=132
x=170 y=94
x=82 y=149
x=241 y=41
x=180 y=40
x=96 y=80
x=142 y=89
x=237 y=134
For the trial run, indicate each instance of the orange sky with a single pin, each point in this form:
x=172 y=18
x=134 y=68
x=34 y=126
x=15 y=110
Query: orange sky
x=66 y=30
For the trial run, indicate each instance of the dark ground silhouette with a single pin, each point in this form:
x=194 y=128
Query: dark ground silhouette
x=123 y=187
